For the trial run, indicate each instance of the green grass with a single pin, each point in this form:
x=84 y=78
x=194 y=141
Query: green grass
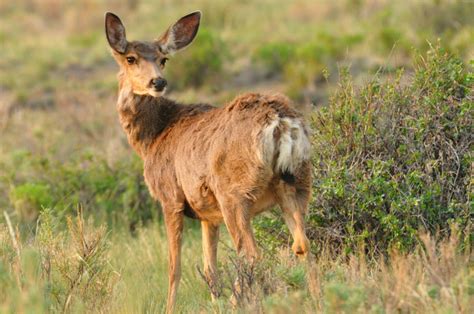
x=52 y=38
x=120 y=272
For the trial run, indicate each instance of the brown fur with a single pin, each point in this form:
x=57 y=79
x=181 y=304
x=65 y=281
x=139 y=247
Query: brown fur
x=216 y=164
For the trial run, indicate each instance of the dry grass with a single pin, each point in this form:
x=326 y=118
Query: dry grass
x=433 y=279
x=71 y=269
x=85 y=270
x=437 y=277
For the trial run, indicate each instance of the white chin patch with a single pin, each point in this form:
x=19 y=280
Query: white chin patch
x=155 y=93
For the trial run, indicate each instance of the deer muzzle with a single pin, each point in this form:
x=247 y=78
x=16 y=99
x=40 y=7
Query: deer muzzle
x=158 y=84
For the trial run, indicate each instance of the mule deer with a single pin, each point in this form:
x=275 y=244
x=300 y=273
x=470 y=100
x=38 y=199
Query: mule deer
x=217 y=165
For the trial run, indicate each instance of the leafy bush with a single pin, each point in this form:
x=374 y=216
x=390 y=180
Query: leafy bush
x=29 y=198
x=301 y=63
x=393 y=157
x=398 y=157
x=116 y=192
x=389 y=37
x=201 y=64
x=274 y=56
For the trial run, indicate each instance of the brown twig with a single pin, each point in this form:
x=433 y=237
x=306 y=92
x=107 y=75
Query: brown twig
x=16 y=245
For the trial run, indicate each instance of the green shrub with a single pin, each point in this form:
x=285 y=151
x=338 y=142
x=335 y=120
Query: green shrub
x=117 y=193
x=274 y=56
x=342 y=298
x=398 y=157
x=200 y=64
x=301 y=63
x=391 y=158
x=277 y=56
x=390 y=37
x=29 y=198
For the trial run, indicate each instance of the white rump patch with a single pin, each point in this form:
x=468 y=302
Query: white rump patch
x=291 y=149
x=269 y=142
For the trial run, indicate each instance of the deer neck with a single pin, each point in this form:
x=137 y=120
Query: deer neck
x=144 y=117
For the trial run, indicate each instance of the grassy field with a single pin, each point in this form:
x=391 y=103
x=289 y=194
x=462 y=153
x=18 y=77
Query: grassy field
x=387 y=87
x=121 y=273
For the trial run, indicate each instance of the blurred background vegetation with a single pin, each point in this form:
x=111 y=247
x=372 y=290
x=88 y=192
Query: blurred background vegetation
x=386 y=85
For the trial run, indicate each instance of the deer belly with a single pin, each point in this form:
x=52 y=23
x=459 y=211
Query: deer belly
x=205 y=206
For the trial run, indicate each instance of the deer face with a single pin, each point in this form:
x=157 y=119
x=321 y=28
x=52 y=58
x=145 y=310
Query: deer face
x=142 y=62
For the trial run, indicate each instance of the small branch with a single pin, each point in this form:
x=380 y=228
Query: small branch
x=12 y=233
x=16 y=245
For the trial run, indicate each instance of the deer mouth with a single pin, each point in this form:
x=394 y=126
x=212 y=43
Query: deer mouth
x=155 y=92
x=160 y=89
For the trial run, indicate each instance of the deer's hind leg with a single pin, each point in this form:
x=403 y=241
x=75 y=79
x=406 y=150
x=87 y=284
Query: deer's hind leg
x=293 y=198
x=237 y=218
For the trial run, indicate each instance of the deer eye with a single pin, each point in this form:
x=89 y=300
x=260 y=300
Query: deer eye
x=163 y=62
x=131 y=60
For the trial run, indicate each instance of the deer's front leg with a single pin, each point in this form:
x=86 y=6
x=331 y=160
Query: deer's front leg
x=210 y=238
x=174 y=229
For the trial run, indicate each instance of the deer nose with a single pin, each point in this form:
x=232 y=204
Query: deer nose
x=159 y=83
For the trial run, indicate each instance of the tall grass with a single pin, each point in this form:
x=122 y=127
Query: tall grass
x=83 y=269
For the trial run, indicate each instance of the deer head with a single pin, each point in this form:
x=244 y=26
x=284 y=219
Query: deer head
x=143 y=62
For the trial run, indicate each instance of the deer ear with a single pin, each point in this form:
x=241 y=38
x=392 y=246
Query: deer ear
x=180 y=34
x=115 y=32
